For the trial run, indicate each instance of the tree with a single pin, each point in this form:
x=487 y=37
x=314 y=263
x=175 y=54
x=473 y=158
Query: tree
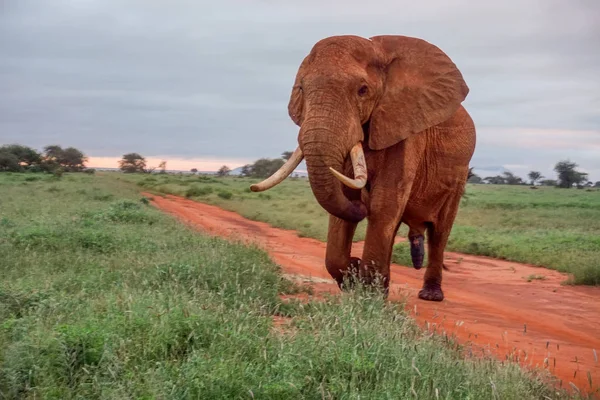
x=9 y=162
x=53 y=152
x=163 y=167
x=265 y=167
x=512 y=179
x=472 y=177
x=194 y=170
x=568 y=175
x=224 y=170
x=534 y=176
x=132 y=162
x=495 y=180
x=25 y=155
x=246 y=170
x=548 y=182
x=72 y=159
x=286 y=155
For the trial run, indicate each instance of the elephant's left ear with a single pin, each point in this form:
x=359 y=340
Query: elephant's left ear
x=422 y=88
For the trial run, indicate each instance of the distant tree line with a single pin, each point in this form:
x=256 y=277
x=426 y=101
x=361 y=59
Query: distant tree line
x=265 y=167
x=567 y=177
x=53 y=158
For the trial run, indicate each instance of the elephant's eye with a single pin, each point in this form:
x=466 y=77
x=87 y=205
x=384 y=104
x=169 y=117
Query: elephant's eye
x=363 y=90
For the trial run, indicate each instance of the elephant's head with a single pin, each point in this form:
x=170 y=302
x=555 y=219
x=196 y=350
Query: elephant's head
x=351 y=90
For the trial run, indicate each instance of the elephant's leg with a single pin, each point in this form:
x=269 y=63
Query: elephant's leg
x=339 y=245
x=377 y=252
x=437 y=238
x=417 y=244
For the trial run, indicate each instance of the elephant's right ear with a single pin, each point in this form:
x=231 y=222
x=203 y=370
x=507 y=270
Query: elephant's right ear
x=297 y=97
x=422 y=88
x=295 y=104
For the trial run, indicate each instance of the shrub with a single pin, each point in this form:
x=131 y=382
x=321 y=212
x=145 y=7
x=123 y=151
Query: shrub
x=195 y=191
x=225 y=194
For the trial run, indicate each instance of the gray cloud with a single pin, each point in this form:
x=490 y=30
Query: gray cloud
x=194 y=79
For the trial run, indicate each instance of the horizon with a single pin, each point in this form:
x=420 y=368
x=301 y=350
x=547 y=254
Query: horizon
x=201 y=87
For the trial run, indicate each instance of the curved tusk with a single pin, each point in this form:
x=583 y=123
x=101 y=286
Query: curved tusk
x=359 y=165
x=282 y=173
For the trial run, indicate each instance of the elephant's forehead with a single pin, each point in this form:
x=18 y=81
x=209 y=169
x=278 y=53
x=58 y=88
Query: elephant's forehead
x=343 y=48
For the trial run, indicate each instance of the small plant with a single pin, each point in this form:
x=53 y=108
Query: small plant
x=534 y=277
x=103 y=197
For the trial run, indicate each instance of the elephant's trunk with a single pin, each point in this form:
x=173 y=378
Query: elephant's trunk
x=324 y=149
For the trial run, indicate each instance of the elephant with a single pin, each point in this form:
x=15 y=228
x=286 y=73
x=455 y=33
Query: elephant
x=385 y=136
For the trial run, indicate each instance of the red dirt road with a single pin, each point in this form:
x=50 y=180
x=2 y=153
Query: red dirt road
x=488 y=303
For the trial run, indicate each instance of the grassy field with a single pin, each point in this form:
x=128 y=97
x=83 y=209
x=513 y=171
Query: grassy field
x=555 y=228
x=104 y=297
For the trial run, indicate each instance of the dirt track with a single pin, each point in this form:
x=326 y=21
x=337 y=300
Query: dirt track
x=488 y=302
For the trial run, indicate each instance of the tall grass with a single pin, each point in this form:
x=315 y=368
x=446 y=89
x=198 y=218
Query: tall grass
x=103 y=297
x=554 y=228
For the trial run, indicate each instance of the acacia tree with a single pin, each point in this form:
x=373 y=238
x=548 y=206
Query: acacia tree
x=512 y=179
x=224 y=170
x=286 y=155
x=568 y=175
x=70 y=159
x=534 y=176
x=132 y=162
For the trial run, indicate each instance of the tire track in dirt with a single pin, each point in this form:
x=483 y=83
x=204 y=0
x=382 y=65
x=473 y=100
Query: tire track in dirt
x=489 y=302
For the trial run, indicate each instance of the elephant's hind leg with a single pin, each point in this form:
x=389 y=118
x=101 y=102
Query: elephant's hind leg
x=417 y=244
x=338 y=262
x=437 y=238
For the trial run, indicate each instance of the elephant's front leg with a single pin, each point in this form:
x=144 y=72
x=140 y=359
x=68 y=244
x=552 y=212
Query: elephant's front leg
x=381 y=231
x=339 y=245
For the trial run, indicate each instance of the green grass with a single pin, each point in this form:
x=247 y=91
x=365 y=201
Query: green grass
x=104 y=297
x=550 y=227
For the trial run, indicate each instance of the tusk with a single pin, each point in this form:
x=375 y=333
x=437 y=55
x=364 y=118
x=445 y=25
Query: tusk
x=359 y=166
x=282 y=173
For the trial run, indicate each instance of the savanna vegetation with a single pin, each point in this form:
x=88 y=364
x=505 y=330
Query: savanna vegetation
x=552 y=227
x=102 y=296
x=54 y=159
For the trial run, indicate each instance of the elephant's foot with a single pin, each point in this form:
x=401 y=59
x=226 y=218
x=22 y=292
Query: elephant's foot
x=431 y=292
x=417 y=251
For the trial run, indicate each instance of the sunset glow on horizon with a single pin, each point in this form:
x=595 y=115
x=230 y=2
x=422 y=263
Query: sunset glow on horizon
x=180 y=164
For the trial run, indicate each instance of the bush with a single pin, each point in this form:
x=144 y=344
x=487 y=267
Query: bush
x=90 y=171
x=58 y=172
x=196 y=191
x=224 y=194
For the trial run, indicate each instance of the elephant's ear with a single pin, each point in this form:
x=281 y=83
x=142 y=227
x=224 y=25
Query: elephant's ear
x=422 y=88
x=295 y=105
x=296 y=102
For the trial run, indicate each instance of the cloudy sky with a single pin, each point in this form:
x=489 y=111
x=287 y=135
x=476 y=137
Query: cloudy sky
x=201 y=83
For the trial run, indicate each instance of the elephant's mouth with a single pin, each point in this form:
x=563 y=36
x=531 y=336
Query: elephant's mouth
x=359 y=166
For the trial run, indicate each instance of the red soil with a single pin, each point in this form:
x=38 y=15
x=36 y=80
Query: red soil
x=488 y=303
